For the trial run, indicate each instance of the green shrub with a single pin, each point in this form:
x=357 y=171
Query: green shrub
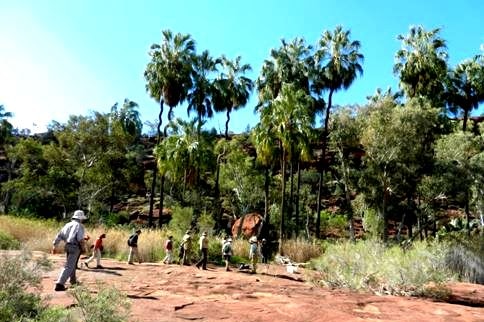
x=18 y=274
x=107 y=304
x=8 y=242
x=370 y=265
x=181 y=220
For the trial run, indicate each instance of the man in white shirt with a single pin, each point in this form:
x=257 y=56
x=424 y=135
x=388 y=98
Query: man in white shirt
x=73 y=236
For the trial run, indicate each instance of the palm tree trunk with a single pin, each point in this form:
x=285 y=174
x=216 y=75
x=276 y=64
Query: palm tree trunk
x=265 y=220
x=298 y=189
x=160 y=213
x=466 y=116
x=227 y=124
x=467 y=211
x=283 y=191
x=291 y=191
x=155 y=170
x=323 y=163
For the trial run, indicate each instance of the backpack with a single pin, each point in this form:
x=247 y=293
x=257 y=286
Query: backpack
x=227 y=248
x=130 y=240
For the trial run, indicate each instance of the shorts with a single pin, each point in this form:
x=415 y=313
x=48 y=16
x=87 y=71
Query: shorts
x=226 y=257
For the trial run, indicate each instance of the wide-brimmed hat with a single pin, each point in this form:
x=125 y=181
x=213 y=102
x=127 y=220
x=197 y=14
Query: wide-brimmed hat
x=79 y=214
x=253 y=239
x=229 y=240
x=204 y=233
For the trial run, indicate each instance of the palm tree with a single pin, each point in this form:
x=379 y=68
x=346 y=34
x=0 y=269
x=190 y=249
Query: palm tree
x=467 y=87
x=337 y=64
x=168 y=77
x=199 y=98
x=128 y=117
x=421 y=64
x=291 y=63
x=232 y=89
x=266 y=148
x=291 y=121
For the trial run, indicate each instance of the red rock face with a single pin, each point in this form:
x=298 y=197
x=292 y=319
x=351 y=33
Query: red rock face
x=248 y=225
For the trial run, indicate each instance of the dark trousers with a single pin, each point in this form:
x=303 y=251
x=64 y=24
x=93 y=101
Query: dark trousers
x=203 y=262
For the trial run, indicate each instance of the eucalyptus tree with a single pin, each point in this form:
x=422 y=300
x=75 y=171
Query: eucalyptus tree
x=292 y=121
x=232 y=89
x=337 y=63
x=168 y=77
x=394 y=140
x=344 y=138
x=421 y=64
x=467 y=87
x=462 y=155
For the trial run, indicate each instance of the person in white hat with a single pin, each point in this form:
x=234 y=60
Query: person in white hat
x=203 y=244
x=73 y=236
x=253 y=253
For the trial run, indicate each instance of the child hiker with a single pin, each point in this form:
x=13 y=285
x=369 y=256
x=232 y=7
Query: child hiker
x=96 y=252
x=168 y=251
x=227 y=252
x=253 y=253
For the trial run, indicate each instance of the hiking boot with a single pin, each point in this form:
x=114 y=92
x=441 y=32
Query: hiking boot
x=59 y=288
x=99 y=266
x=131 y=263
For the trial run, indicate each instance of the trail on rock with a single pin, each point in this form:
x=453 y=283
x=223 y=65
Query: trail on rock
x=183 y=293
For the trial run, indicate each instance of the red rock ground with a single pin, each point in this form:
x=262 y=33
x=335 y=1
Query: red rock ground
x=174 y=293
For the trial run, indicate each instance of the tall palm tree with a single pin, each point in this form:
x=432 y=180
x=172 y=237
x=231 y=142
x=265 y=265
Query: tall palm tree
x=199 y=98
x=292 y=122
x=290 y=63
x=467 y=87
x=337 y=64
x=232 y=88
x=421 y=64
x=266 y=148
x=168 y=77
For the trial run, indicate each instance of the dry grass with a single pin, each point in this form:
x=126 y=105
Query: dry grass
x=301 y=250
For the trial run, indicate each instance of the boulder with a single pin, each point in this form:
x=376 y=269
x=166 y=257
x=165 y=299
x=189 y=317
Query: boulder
x=248 y=225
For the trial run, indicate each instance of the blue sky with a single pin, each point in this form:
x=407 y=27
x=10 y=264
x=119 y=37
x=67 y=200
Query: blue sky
x=59 y=58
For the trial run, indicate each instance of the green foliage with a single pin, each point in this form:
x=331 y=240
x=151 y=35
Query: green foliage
x=373 y=223
x=206 y=223
x=181 y=220
x=17 y=274
x=8 y=242
x=106 y=305
x=370 y=265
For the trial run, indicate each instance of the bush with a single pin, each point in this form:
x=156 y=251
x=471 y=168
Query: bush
x=370 y=265
x=181 y=220
x=301 y=250
x=107 y=304
x=17 y=274
x=8 y=242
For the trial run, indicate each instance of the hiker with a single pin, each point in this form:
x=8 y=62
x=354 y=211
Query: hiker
x=265 y=251
x=96 y=252
x=227 y=252
x=133 y=247
x=185 y=247
x=168 y=250
x=73 y=235
x=253 y=254
x=203 y=245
